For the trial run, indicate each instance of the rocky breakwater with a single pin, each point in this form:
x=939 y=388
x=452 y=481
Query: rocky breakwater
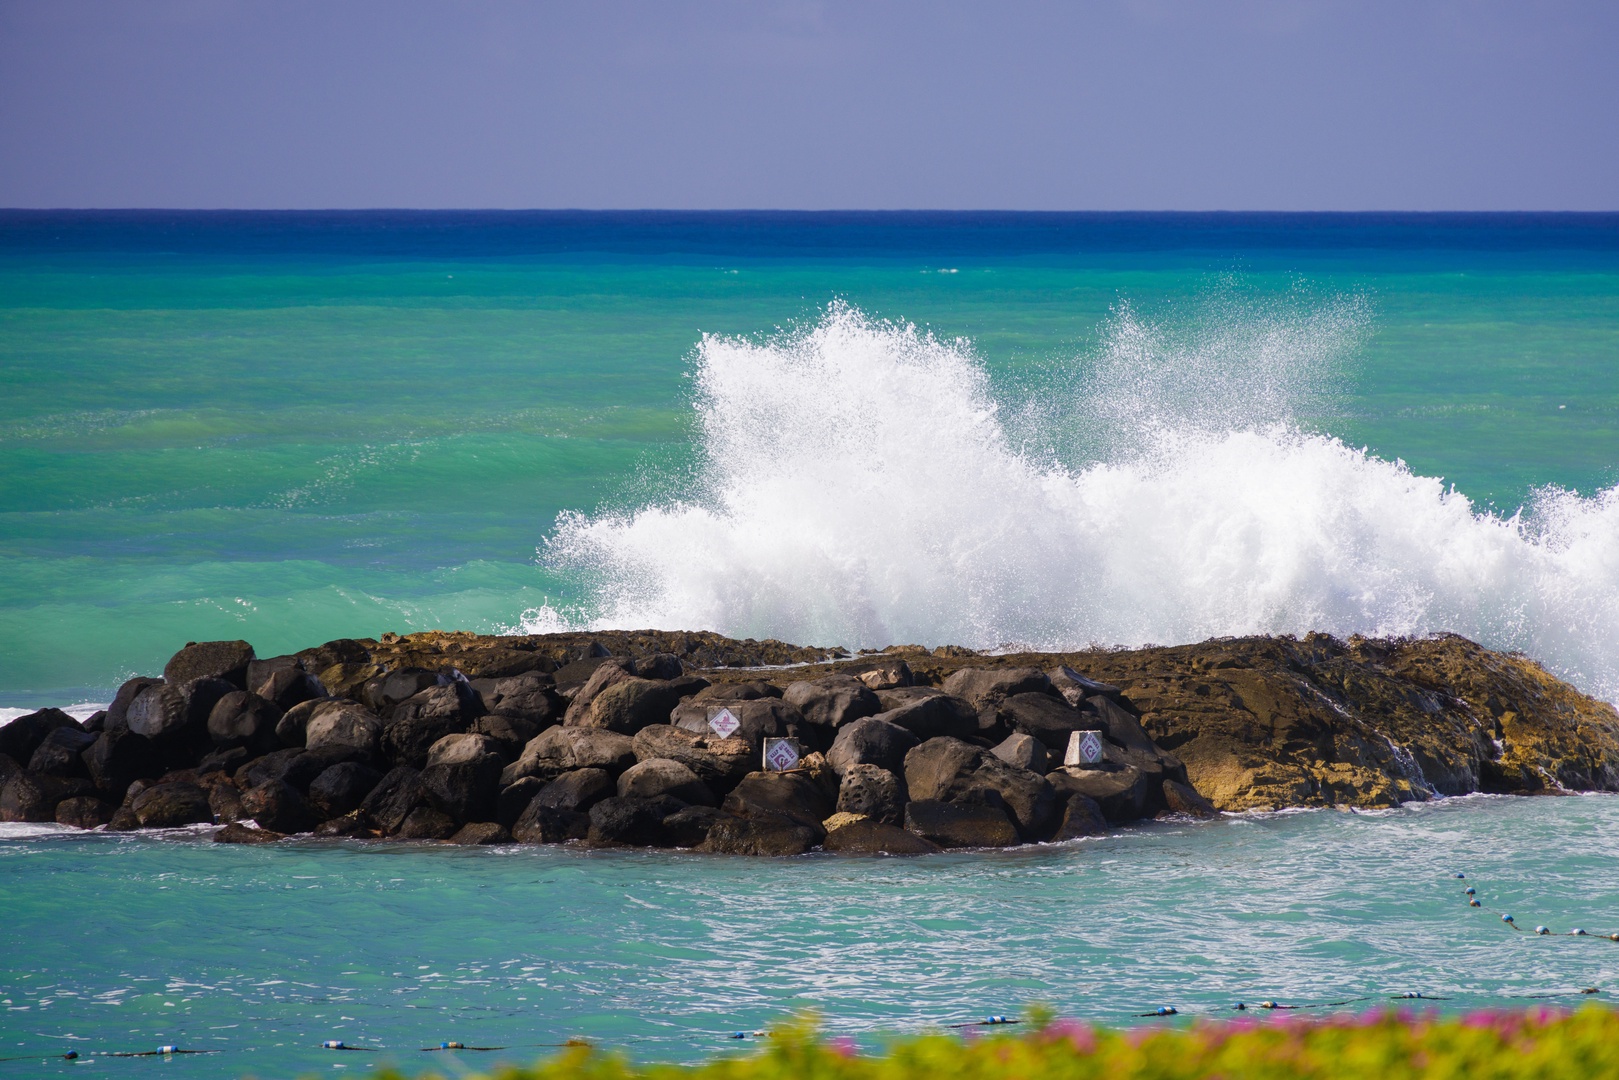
x=610 y=739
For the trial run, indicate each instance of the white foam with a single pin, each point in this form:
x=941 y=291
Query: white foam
x=860 y=485
x=81 y=712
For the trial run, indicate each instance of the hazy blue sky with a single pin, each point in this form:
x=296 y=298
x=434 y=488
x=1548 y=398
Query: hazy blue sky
x=1112 y=104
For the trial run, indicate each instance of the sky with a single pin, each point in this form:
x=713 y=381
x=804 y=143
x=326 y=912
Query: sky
x=868 y=104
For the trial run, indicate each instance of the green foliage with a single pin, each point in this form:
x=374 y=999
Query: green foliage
x=1537 y=1045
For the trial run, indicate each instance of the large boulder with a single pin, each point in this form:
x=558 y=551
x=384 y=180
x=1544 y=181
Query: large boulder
x=1049 y=719
x=689 y=826
x=719 y=763
x=960 y=824
x=27 y=796
x=626 y=822
x=227 y=660
x=628 y=705
x=458 y=749
x=383 y=692
x=760 y=718
x=61 y=752
x=426 y=823
x=787 y=796
x=928 y=713
x=243 y=718
x=610 y=672
x=558 y=750
x=508 y=734
x=237 y=833
x=1182 y=798
x=530 y=697
x=173 y=712
x=481 y=832
x=870 y=837
x=989 y=686
x=118 y=710
x=934 y=769
x=1024 y=751
x=277 y=805
x=872 y=792
x=871 y=741
x=289 y=686
x=346 y=724
x=1123 y=792
x=398 y=793
x=833 y=701
x=727 y=835
x=119 y=757
x=663 y=776
x=271 y=766
x=168 y=806
x=886 y=674
x=1027 y=796
x=1081 y=816
x=290 y=729
x=464 y=784
x=83 y=812
x=22 y=736
x=540 y=824
x=1076 y=688
x=341 y=788
x=576 y=791
x=417 y=723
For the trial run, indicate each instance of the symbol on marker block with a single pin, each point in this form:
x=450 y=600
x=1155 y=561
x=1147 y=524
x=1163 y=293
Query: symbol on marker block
x=781 y=755
x=723 y=722
x=1084 y=748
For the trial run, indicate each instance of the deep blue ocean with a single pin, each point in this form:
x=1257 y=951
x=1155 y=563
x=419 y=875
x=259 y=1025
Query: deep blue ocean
x=835 y=429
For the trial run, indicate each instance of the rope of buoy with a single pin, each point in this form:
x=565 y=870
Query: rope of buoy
x=1540 y=931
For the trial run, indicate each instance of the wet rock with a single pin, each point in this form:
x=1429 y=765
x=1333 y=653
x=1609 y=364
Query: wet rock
x=663 y=776
x=118 y=710
x=356 y=824
x=933 y=769
x=1027 y=796
x=530 y=698
x=886 y=675
x=27 y=796
x=419 y=722
x=625 y=822
x=1024 y=751
x=960 y=825
x=1120 y=790
x=541 y=824
x=1081 y=816
x=928 y=713
x=425 y=823
x=1075 y=688
x=226 y=802
x=759 y=836
x=123 y=820
x=869 y=837
x=577 y=791
x=481 y=832
x=277 y=805
x=289 y=686
x=345 y=724
x=466 y=789
x=719 y=763
x=237 y=833
x=558 y=750
x=271 y=766
x=1183 y=799
x=870 y=741
x=1045 y=718
x=290 y=729
x=833 y=701
x=169 y=712
x=689 y=827
x=989 y=686
x=760 y=718
x=509 y=734
x=168 y=806
x=341 y=788
x=20 y=738
x=240 y=718
x=225 y=660
x=631 y=704
x=8 y=767
x=872 y=792
x=83 y=812
x=789 y=796
x=118 y=757
x=61 y=752
x=226 y=760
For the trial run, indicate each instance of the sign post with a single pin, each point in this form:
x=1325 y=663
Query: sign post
x=1084 y=748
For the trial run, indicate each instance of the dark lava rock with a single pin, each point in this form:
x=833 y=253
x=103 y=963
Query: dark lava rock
x=355 y=823
x=928 y=713
x=689 y=827
x=558 y=750
x=289 y=730
x=514 y=799
x=343 y=723
x=531 y=698
x=868 y=837
x=226 y=802
x=168 y=806
x=1024 y=751
x=8 y=767
x=226 y=760
x=1120 y=790
x=27 y=796
x=1028 y=796
x=509 y=733
x=1081 y=816
x=578 y=790
x=237 y=833
x=385 y=691
x=628 y=705
x=1183 y=799
x=481 y=832
x=621 y=822
x=289 y=686
x=342 y=788
x=750 y=836
x=425 y=823
x=119 y=757
x=83 y=812
x=417 y=723
x=1045 y=718
x=991 y=686
x=123 y=820
x=168 y=711
x=833 y=701
x=22 y=736
x=395 y=796
x=241 y=718
x=118 y=711
x=271 y=766
x=873 y=791
x=957 y=825
x=933 y=769
x=791 y=796
x=61 y=754
x=464 y=790
x=96 y=722
x=870 y=741
x=541 y=824
x=225 y=660
x=663 y=776
x=719 y=763
x=277 y=805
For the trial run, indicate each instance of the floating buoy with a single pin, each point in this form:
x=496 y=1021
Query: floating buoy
x=451 y=1046
x=1506 y=918
x=167 y=1049
x=996 y=1020
x=1613 y=937
x=1474 y=903
x=333 y=1044
x=1471 y=891
x=1165 y=1010
x=1542 y=931
x=1461 y=875
x=739 y=1035
x=71 y=1055
x=1241 y=1006
x=1577 y=932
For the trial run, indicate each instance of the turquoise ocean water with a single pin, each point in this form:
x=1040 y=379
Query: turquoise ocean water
x=835 y=429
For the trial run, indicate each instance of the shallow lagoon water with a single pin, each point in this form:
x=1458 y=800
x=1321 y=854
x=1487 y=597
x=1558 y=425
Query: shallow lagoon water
x=117 y=943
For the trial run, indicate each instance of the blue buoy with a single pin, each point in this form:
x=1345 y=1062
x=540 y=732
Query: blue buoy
x=995 y=1020
x=333 y=1044
x=1241 y=1006
x=1471 y=891
x=1506 y=918
x=452 y=1046
x=1541 y=930
x=1166 y=1010
x=739 y=1035
x=1577 y=932
x=167 y=1049
x=1474 y=903
x=1461 y=875
x=71 y=1055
